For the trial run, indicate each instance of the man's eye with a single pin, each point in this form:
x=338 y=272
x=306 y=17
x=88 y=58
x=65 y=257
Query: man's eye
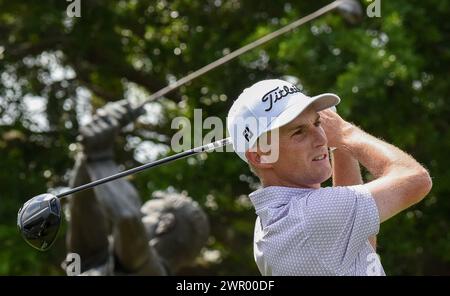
x=318 y=123
x=299 y=132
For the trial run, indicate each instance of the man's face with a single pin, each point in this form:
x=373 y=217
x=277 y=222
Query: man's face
x=303 y=153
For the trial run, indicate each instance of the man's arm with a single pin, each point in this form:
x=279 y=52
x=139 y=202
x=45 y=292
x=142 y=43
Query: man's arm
x=400 y=181
x=346 y=172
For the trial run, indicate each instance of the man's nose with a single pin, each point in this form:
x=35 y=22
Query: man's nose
x=320 y=138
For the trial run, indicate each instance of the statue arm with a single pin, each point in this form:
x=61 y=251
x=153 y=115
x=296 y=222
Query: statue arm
x=87 y=232
x=118 y=199
x=121 y=202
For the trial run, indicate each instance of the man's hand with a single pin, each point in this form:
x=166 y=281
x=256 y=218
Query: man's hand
x=98 y=136
x=335 y=127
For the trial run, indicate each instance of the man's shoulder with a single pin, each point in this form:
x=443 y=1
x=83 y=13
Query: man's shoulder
x=326 y=202
x=341 y=191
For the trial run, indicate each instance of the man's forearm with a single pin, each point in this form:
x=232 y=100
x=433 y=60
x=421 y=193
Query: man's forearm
x=346 y=172
x=379 y=157
x=400 y=181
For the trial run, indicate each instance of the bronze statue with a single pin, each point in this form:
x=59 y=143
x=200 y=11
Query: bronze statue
x=109 y=227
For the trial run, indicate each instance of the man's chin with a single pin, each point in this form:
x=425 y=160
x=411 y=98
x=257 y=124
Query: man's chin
x=316 y=182
x=326 y=176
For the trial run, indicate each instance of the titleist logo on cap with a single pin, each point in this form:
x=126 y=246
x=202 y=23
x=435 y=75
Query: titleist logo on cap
x=277 y=93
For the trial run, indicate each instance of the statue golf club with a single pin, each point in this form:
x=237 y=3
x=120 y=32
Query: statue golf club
x=39 y=219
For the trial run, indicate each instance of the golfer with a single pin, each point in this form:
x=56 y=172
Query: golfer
x=301 y=227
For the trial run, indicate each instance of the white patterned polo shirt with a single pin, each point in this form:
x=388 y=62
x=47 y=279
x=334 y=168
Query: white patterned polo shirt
x=302 y=231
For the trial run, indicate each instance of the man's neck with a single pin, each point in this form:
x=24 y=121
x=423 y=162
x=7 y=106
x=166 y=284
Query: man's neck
x=287 y=183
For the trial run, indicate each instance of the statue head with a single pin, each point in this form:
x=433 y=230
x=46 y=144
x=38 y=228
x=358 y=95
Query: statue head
x=177 y=227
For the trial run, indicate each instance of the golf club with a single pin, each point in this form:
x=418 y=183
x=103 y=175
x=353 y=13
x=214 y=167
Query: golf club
x=39 y=219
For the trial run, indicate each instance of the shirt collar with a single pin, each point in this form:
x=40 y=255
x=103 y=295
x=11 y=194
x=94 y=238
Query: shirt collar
x=273 y=196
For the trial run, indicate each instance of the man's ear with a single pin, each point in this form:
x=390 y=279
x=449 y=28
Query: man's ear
x=257 y=159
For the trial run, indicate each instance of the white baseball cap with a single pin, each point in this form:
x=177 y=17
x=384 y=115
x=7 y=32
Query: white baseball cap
x=268 y=105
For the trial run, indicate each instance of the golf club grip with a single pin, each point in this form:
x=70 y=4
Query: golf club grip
x=187 y=153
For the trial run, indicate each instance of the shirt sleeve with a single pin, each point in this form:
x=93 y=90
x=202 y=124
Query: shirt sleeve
x=339 y=220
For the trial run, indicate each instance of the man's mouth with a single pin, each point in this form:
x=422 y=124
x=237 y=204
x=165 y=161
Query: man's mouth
x=320 y=157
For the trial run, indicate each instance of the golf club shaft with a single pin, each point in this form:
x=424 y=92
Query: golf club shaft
x=188 y=78
x=165 y=160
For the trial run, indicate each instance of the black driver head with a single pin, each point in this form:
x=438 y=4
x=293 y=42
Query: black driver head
x=39 y=219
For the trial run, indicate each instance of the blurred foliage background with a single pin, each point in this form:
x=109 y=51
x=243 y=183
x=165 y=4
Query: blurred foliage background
x=391 y=73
